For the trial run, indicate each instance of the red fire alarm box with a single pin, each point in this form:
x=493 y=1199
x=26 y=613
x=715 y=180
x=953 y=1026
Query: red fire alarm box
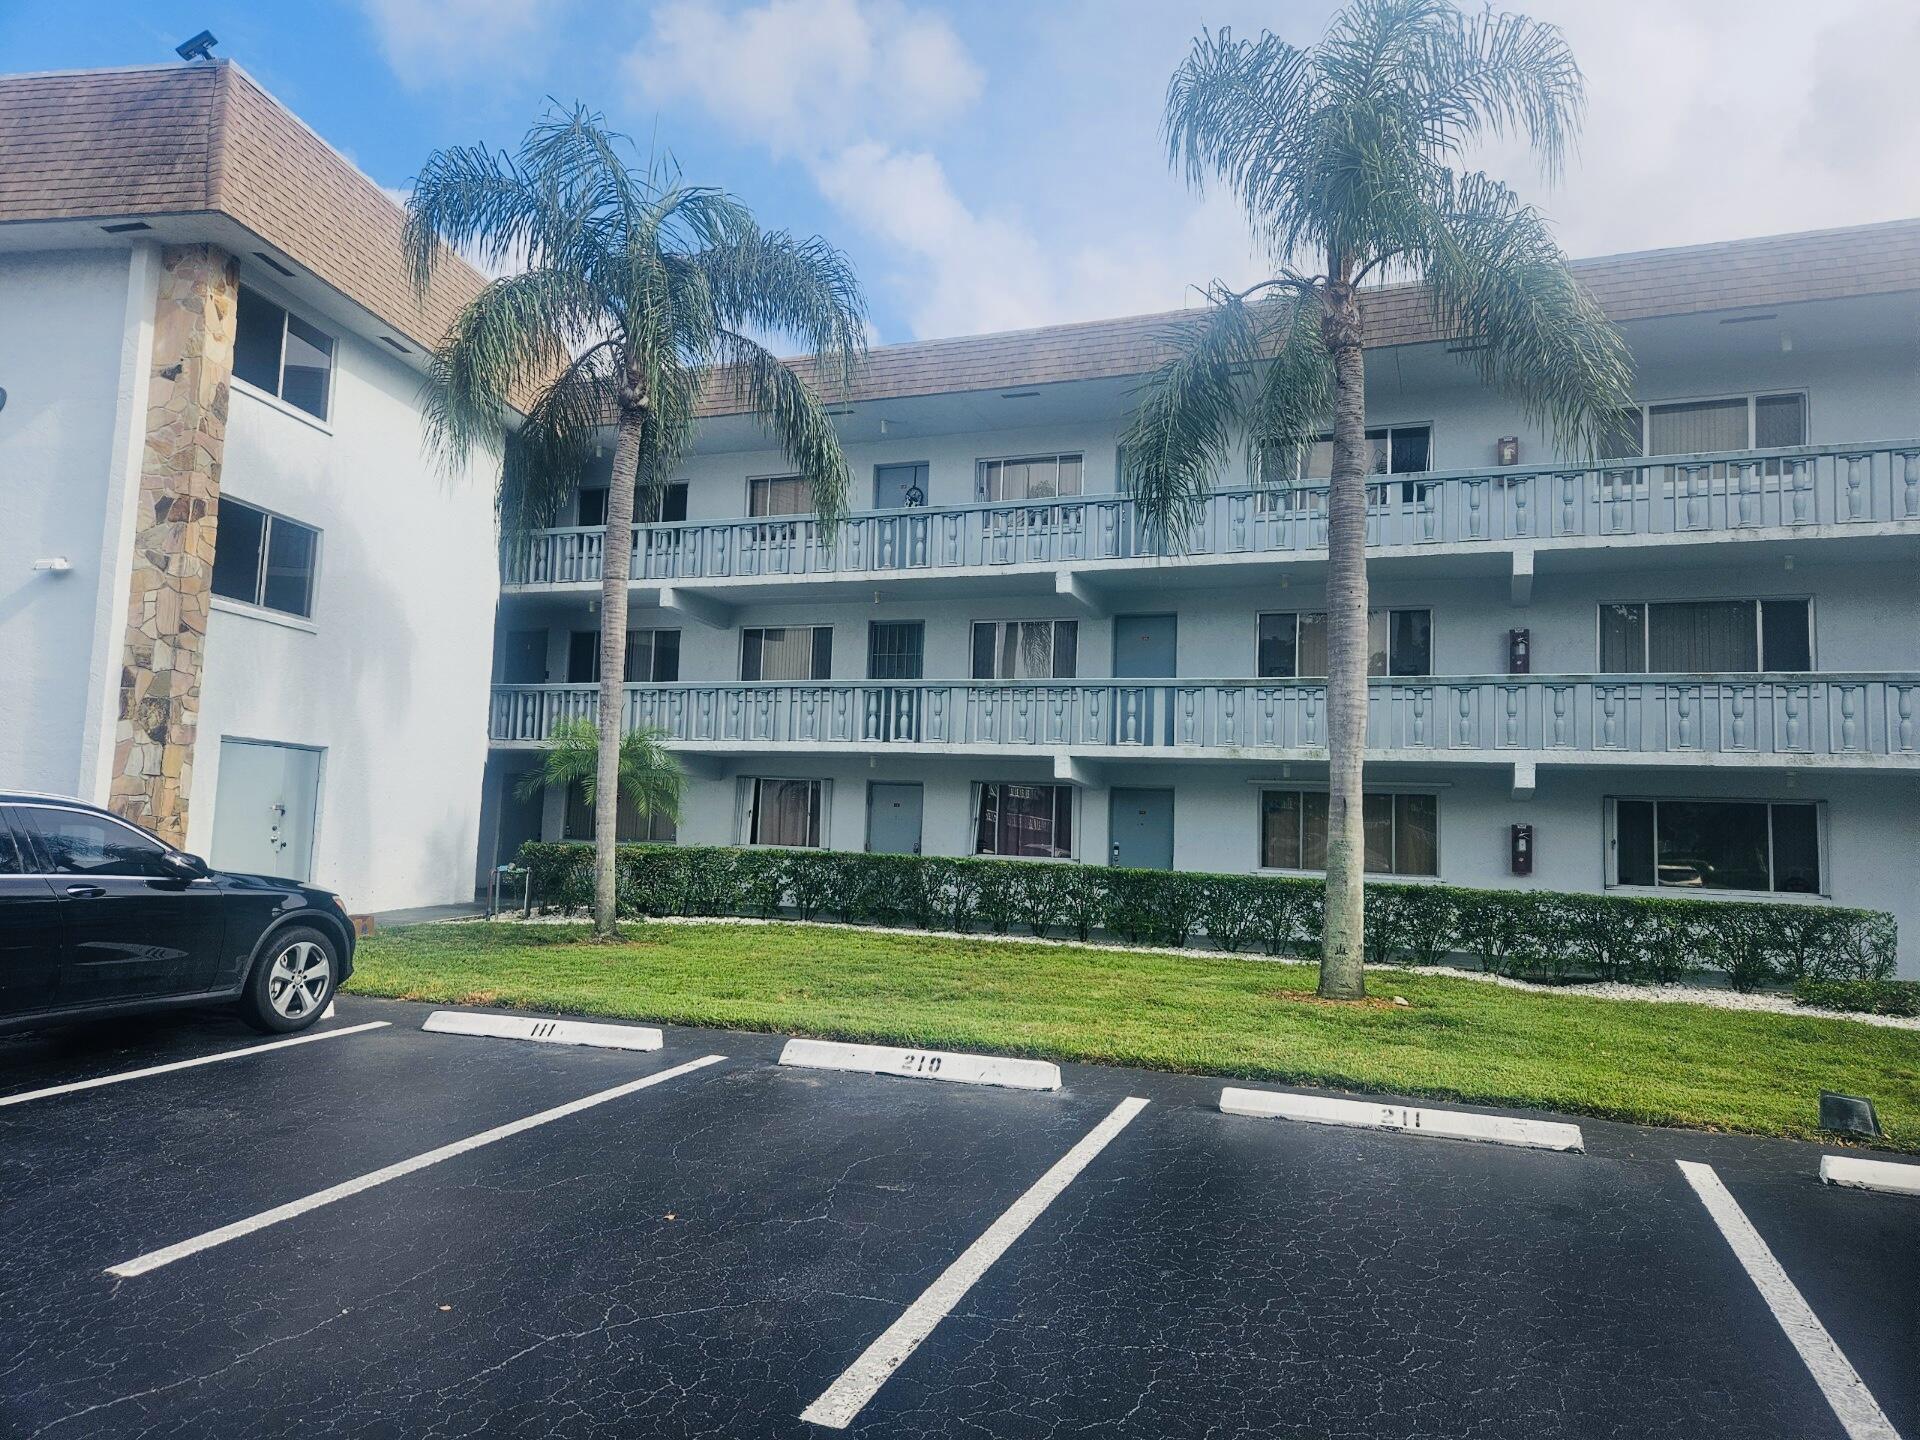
x=1519 y=652
x=1521 y=856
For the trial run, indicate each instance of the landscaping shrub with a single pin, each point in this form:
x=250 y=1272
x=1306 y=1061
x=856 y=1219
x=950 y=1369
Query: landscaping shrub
x=1522 y=933
x=1872 y=997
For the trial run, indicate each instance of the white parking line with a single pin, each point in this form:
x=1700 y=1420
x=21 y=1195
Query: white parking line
x=78 y=1085
x=154 y=1259
x=1859 y=1413
x=861 y=1381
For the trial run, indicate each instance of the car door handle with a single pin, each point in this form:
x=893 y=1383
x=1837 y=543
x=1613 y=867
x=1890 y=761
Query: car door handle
x=86 y=892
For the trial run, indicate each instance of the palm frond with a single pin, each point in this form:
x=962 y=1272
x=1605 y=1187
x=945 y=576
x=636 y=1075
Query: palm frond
x=651 y=777
x=790 y=412
x=1498 y=280
x=1502 y=73
x=1186 y=412
x=1294 y=404
x=772 y=283
x=551 y=452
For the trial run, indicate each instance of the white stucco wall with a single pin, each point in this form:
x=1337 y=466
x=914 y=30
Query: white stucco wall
x=75 y=332
x=390 y=677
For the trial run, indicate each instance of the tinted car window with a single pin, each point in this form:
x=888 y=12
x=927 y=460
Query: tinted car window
x=9 y=857
x=76 y=843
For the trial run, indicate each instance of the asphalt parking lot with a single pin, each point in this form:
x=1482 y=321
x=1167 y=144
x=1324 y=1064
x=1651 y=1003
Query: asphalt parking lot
x=296 y=1239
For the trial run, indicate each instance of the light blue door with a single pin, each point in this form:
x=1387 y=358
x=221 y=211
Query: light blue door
x=1140 y=825
x=1144 y=647
x=893 y=819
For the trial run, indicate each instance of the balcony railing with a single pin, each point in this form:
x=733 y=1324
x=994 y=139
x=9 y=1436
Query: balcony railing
x=1864 y=717
x=1743 y=490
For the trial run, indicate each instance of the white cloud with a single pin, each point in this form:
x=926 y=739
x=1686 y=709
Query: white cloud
x=1706 y=123
x=437 y=41
x=964 y=272
x=795 y=75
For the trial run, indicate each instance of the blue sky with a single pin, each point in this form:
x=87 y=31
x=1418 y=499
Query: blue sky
x=995 y=164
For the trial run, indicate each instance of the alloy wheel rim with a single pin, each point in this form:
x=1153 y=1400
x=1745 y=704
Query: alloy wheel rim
x=298 y=979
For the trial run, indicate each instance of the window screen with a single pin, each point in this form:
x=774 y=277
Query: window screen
x=1025 y=821
x=264 y=559
x=1748 y=845
x=779 y=495
x=785 y=812
x=788 y=652
x=1696 y=428
x=1026 y=649
x=1401 y=832
x=1036 y=477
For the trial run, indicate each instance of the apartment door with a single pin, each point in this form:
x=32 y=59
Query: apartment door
x=1140 y=825
x=264 y=809
x=523 y=658
x=893 y=819
x=1144 y=647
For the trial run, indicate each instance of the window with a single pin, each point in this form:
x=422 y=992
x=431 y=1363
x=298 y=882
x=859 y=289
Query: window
x=664 y=506
x=1024 y=821
x=282 y=354
x=1392 y=450
x=264 y=559
x=784 y=812
x=1402 y=832
x=1694 y=637
x=1753 y=845
x=10 y=863
x=653 y=656
x=1035 y=477
x=899 y=487
x=1700 y=427
x=779 y=495
x=895 y=649
x=1026 y=649
x=787 y=652
x=629 y=826
x=77 y=843
x=1294 y=643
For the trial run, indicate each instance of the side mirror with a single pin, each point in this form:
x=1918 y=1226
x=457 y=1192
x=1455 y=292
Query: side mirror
x=191 y=866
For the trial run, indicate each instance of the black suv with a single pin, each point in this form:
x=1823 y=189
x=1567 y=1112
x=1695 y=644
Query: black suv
x=98 y=917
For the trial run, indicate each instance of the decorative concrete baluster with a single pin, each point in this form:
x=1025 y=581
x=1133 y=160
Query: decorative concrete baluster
x=1856 y=492
x=1417 y=715
x=1796 y=716
x=1910 y=482
x=1904 y=707
x=1476 y=512
x=1515 y=729
x=1569 y=487
x=1465 y=737
x=1519 y=499
x=1560 y=707
x=1612 y=699
x=1738 y=698
x=1746 y=477
x=1311 y=730
x=1849 y=716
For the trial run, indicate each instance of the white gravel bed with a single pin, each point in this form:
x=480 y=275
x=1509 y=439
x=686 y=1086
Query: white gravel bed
x=1714 y=997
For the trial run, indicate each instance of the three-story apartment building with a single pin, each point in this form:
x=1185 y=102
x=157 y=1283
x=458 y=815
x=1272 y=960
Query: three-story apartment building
x=1692 y=667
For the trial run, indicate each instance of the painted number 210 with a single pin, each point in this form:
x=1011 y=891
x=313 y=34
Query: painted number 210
x=921 y=1064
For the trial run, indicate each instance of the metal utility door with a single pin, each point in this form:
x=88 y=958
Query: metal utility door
x=1144 y=647
x=264 y=809
x=1141 y=828
x=893 y=819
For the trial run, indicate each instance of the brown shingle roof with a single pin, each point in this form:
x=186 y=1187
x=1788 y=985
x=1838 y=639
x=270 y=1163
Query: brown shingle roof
x=189 y=139
x=1777 y=270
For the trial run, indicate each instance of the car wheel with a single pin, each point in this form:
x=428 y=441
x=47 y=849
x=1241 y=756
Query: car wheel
x=292 y=983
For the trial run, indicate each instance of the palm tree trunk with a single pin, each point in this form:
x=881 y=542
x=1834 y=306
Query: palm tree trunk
x=1342 y=973
x=616 y=564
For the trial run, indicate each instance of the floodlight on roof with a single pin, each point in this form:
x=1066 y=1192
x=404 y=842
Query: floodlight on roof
x=200 y=47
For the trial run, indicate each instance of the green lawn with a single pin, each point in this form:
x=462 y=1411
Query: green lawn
x=1663 y=1064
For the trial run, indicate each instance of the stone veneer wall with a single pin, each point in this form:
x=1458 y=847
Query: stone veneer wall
x=173 y=539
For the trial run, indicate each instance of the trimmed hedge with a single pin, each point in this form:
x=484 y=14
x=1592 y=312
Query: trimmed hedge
x=1871 y=996
x=1535 y=934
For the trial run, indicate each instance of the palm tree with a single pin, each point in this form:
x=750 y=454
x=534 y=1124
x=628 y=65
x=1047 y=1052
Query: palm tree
x=651 y=777
x=1343 y=156
x=637 y=291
